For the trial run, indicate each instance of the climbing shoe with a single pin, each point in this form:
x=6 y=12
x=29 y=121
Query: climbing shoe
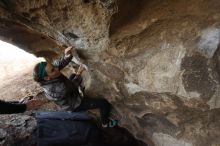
x=112 y=123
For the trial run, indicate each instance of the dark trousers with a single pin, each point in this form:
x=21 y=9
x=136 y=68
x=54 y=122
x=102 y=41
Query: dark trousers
x=76 y=79
x=92 y=103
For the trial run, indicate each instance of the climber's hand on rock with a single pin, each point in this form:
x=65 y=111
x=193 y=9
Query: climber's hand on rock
x=68 y=52
x=80 y=69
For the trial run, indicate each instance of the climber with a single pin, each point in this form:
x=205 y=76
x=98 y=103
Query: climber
x=65 y=91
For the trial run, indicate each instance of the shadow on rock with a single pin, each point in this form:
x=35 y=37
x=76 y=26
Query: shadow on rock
x=119 y=136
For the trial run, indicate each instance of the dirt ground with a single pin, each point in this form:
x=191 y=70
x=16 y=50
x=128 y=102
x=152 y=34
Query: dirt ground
x=15 y=87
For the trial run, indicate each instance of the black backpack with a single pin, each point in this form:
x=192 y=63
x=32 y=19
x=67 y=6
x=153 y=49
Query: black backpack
x=66 y=129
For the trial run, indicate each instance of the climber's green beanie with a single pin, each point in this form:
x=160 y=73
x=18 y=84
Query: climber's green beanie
x=39 y=71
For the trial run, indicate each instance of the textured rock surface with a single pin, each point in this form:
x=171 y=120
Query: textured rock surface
x=16 y=129
x=156 y=61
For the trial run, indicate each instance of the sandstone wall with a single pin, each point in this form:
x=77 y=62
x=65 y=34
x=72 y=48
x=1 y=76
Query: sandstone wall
x=156 y=61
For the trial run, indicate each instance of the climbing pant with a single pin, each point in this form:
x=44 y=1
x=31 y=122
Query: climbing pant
x=92 y=103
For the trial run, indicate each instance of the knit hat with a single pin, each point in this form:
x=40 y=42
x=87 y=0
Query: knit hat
x=40 y=73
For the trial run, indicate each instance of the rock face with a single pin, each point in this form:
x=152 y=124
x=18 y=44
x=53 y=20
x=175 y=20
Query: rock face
x=156 y=61
x=17 y=130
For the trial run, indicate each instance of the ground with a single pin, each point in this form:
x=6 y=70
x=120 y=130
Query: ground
x=16 y=87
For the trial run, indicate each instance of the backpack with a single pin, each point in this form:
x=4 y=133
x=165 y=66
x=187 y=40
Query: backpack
x=67 y=129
